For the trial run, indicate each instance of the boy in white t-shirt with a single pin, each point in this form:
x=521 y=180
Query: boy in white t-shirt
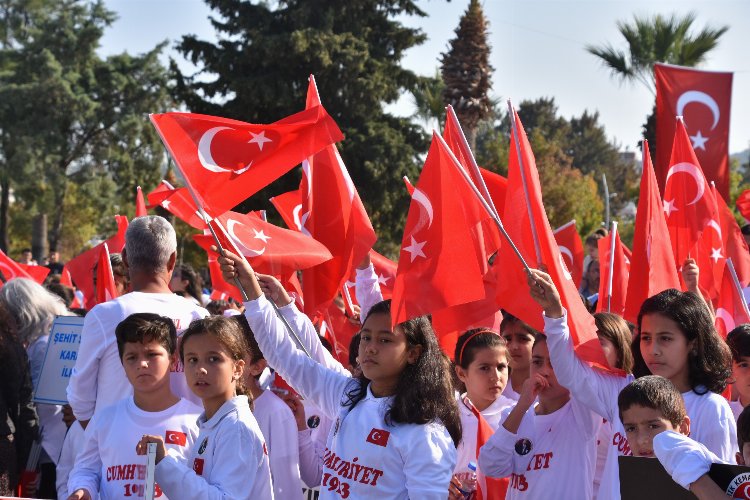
x=108 y=463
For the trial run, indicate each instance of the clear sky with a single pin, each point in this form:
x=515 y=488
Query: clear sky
x=537 y=50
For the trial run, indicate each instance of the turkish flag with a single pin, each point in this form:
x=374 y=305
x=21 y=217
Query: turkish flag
x=513 y=294
x=378 y=437
x=179 y=203
x=688 y=201
x=335 y=216
x=497 y=185
x=734 y=242
x=198 y=466
x=652 y=265
x=385 y=269
x=66 y=280
x=710 y=254
x=731 y=309
x=269 y=249
x=11 y=269
x=175 y=437
x=488 y=488
x=226 y=161
x=743 y=204
x=160 y=192
x=218 y=285
x=81 y=267
x=409 y=185
x=106 y=289
x=615 y=259
x=289 y=205
x=37 y=273
x=443 y=242
x=571 y=247
x=703 y=98
x=140 y=203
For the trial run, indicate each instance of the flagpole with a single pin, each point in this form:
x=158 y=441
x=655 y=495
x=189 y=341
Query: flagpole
x=473 y=162
x=606 y=200
x=737 y=286
x=484 y=203
x=612 y=234
x=514 y=127
x=564 y=226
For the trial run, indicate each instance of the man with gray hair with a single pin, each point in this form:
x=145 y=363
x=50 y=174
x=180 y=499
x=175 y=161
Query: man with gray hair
x=98 y=379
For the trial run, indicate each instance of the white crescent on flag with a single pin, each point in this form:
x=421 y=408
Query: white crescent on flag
x=694 y=172
x=702 y=98
x=204 y=152
x=249 y=252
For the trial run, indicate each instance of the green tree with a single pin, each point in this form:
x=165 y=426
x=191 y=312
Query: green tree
x=467 y=71
x=428 y=102
x=257 y=72
x=656 y=39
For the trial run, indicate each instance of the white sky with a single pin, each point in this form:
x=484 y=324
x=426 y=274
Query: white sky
x=537 y=50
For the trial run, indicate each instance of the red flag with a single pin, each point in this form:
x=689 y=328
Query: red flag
x=160 y=193
x=619 y=275
x=223 y=288
x=335 y=216
x=652 y=265
x=409 y=185
x=385 y=269
x=269 y=249
x=734 y=242
x=743 y=204
x=81 y=267
x=512 y=274
x=688 y=202
x=571 y=247
x=175 y=437
x=179 y=203
x=106 y=289
x=140 y=203
x=731 y=310
x=12 y=269
x=704 y=99
x=488 y=488
x=443 y=244
x=497 y=185
x=66 y=280
x=710 y=255
x=37 y=273
x=289 y=206
x=226 y=161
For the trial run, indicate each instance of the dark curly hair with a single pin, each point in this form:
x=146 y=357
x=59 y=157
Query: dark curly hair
x=709 y=361
x=424 y=392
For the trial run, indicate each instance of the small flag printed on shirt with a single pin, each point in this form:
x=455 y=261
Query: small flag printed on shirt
x=198 y=466
x=378 y=437
x=265 y=449
x=175 y=437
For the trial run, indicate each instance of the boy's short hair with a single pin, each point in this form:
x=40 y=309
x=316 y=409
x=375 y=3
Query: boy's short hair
x=145 y=327
x=538 y=339
x=655 y=392
x=738 y=341
x=743 y=428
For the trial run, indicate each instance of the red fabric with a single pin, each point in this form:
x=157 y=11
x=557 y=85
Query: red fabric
x=81 y=267
x=334 y=215
x=710 y=255
x=488 y=488
x=619 y=275
x=734 y=242
x=497 y=185
x=140 y=203
x=688 y=201
x=269 y=249
x=571 y=247
x=385 y=268
x=66 y=280
x=409 y=185
x=443 y=259
x=37 y=273
x=730 y=308
x=179 y=203
x=743 y=204
x=106 y=289
x=652 y=265
x=227 y=161
x=159 y=194
x=12 y=269
x=513 y=294
x=220 y=287
x=289 y=205
x=704 y=99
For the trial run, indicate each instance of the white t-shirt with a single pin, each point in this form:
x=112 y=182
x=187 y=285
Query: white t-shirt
x=548 y=453
x=108 y=462
x=367 y=290
x=684 y=459
x=365 y=457
x=737 y=408
x=228 y=460
x=603 y=440
x=509 y=392
x=279 y=428
x=467 y=448
x=72 y=445
x=98 y=379
x=711 y=419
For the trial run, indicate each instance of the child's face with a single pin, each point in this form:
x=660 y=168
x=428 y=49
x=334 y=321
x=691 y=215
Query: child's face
x=486 y=376
x=642 y=424
x=741 y=376
x=210 y=371
x=592 y=251
x=665 y=349
x=384 y=352
x=146 y=365
x=519 y=345
x=540 y=363
x=610 y=351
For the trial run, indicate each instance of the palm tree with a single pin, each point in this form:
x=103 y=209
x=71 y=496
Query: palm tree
x=428 y=101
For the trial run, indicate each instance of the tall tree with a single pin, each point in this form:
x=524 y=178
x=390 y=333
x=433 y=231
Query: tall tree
x=428 y=101
x=656 y=39
x=257 y=72
x=466 y=71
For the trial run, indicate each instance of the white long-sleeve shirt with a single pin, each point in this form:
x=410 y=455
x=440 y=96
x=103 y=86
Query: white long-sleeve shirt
x=312 y=444
x=560 y=455
x=711 y=419
x=467 y=448
x=367 y=290
x=98 y=379
x=108 y=462
x=365 y=457
x=276 y=422
x=73 y=443
x=228 y=461
x=685 y=459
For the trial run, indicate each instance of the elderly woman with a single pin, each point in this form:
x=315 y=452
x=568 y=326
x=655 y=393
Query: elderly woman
x=34 y=309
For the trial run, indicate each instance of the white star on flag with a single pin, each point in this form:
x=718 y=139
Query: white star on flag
x=699 y=142
x=669 y=207
x=259 y=235
x=716 y=254
x=259 y=139
x=382 y=280
x=415 y=249
x=165 y=204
